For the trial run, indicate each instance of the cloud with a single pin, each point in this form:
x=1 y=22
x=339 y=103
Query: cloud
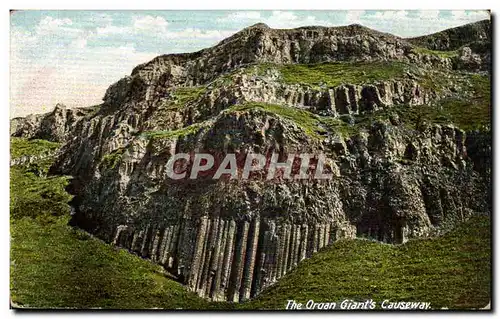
x=353 y=16
x=283 y=16
x=150 y=23
x=101 y=19
x=51 y=64
x=111 y=29
x=61 y=67
x=140 y=25
x=51 y=23
x=241 y=15
x=415 y=23
x=276 y=19
x=429 y=14
x=390 y=14
x=190 y=33
x=399 y=22
x=78 y=77
x=156 y=28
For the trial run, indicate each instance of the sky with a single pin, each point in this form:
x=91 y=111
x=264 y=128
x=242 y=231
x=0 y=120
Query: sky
x=72 y=57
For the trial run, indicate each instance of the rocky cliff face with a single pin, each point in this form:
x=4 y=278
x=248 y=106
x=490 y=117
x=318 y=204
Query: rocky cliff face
x=398 y=172
x=54 y=126
x=260 y=44
x=471 y=41
x=452 y=39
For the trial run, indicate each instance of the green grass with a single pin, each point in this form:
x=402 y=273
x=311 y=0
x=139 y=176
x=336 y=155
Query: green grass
x=306 y=120
x=450 y=271
x=58 y=266
x=184 y=96
x=43 y=198
x=112 y=159
x=312 y=124
x=185 y=131
x=335 y=73
x=466 y=113
x=441 y=54
x=24 y=147
x=31 y=191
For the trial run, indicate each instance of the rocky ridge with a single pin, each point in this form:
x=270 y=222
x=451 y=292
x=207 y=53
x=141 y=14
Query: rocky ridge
x=228 y=240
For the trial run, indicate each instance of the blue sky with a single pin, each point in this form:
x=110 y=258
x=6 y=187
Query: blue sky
x=73 y=56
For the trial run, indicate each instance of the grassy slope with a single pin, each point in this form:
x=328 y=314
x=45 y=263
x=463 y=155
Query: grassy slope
x=336 y=73
x=451 y=271
x=55 y=265
x=21 y=146
x=441 y=54
x=333 y=74
x=466 y=113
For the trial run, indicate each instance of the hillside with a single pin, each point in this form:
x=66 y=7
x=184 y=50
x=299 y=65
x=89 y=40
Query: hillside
x=51 y=263
x=452 y=39
x=405 y=130
x=419 y=270
x=54 y=265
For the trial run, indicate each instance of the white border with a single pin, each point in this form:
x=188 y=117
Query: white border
x=190 y=4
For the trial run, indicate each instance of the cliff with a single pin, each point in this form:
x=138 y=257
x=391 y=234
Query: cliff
x=471 y=42
x=452 y=39
x=406 y=134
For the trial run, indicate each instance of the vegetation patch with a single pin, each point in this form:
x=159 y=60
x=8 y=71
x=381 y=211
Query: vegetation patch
x=306 y=120
x=313 y=125
x=185 y=131
x=332 y=74
x=451 y=271
x=23 y=147
x=112 y=159
x=58 y=266
x=184 y=95
x=467 y=113
x=31 y=191
x=38 y=197
x=441 y=54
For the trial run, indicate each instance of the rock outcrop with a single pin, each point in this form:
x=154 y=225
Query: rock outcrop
x=261 y=44
x=454 y=38
x=54 y=126
x=472 y=41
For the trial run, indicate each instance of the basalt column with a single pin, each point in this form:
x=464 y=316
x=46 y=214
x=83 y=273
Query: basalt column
x=225 y=259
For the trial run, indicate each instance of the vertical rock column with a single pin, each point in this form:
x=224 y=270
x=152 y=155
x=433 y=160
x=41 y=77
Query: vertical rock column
x=227 y=260
x=219 y=259
x=250 y=259
x=239 y=259
x=200 y=243
x=215 y=263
